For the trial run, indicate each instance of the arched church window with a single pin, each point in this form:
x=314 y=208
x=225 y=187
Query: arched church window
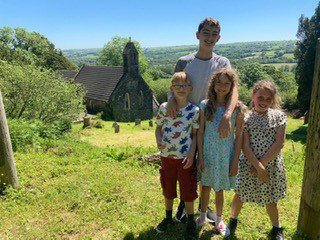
x=127 y=101
x=140 y=98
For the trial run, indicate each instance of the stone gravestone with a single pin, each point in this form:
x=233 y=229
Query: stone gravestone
x=86 y=121
x=116 y=128
x=137 y=121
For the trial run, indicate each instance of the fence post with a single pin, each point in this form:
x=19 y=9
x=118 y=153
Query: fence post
x=6 y=152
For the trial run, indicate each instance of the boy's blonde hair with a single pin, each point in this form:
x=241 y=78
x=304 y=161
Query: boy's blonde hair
x=180 y=77
x=211 y=105
x=270 y=86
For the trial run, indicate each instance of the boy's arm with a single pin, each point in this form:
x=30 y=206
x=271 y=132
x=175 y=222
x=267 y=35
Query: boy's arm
x=158 y=133
x=224 y=128
x=200 y=141
x=238 y=144
x=276 y=147
x=188 y=161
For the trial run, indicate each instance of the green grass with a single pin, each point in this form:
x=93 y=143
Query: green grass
x=92 y=184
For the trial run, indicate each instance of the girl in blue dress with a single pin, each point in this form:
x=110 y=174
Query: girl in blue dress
x=218 y=157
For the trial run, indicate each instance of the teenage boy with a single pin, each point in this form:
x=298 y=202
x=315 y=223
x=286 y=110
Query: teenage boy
x=199 y=67
x=176 y=138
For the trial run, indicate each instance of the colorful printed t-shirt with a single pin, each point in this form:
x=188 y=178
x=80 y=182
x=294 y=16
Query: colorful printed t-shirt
x=176 y=132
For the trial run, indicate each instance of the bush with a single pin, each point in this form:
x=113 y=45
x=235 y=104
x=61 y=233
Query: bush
x=244 y=94
x=34 y=93
x=34 y=134
x=160 y=88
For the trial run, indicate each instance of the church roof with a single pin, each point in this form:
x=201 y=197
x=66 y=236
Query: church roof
x=68 y=74
x=99 y=81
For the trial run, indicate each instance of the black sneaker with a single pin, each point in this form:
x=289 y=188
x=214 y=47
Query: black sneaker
x=162 y=227
x=276 y=233
x=232 y=225
x=211 y=215
x=191 y=231
x=180 y=212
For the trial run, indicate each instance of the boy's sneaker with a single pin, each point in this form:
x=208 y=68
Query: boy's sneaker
x=191 y=231
x=181 y=216
x=232 y=225
x=276 y=233
x=162 y=227
x=200 y=222
x=211 y=215
x=223 y=229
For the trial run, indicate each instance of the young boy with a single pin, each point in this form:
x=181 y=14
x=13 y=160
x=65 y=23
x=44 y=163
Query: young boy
x=176 y=138
x=200 y=66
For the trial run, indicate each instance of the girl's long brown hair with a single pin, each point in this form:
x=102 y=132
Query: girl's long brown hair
x=211 y=105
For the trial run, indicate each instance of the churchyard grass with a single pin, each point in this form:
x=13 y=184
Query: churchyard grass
x=93 y=184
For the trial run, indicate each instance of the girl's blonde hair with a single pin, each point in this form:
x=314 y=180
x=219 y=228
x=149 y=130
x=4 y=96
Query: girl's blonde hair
x=270 y=86
x=211 y=105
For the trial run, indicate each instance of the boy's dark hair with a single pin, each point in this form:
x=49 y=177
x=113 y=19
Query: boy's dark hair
x=209 y=21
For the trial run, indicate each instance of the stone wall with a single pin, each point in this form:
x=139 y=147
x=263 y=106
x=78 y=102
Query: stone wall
x=140 y=96
x=95 y=106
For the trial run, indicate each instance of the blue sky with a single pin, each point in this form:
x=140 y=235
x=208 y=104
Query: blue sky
x=72 y=24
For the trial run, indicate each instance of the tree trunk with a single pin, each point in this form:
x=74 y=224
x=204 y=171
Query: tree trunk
x=309 y=215
x=6 y=153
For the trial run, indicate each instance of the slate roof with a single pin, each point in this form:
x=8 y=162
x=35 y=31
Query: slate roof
x=99 y=81
x=69 y=74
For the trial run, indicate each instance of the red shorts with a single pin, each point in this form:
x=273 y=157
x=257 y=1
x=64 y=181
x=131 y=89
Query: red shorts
x=172 y=171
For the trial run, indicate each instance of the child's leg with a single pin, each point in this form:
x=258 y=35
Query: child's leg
x=189 y=207
x=236 y=206
x=272 y=210
x=276 y=231
x=205 y=196
x=168 y=204
x=219 y=204
x=162 y=226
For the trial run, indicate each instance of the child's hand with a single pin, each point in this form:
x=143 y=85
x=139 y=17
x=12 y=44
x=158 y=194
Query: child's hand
x=172 y=109
x=224 y=128
x=200 y=165
x=262 y=174
x=161 y=145
x=233 y=169
x=188 y=160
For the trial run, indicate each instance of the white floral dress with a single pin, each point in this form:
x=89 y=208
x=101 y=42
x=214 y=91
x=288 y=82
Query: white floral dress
x=262 y=129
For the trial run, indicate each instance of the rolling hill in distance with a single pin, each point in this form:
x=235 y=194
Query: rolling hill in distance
x=264 y=52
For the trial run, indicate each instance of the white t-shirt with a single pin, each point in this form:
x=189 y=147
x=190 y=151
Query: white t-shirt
x=176 y=132
x=200 y=72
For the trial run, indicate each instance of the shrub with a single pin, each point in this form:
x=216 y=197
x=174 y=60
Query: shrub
x=34 y=134
x=33 y=93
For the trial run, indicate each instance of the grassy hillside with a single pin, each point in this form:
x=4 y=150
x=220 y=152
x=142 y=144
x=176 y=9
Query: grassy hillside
x=166 y=57
x=93 y=184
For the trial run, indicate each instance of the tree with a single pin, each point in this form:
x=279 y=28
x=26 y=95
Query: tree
x=308 y=33
x=250 y=73
x=21 y=47
x=309 y=214
x=111 y=54
x=33 y=93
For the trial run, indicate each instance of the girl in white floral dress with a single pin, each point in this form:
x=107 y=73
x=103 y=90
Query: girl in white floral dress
x=262 y=176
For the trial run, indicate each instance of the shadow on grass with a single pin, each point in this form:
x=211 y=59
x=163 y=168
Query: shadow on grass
x=298 y=235
x=299 y=135
x=174 y=232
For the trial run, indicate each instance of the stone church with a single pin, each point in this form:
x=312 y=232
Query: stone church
x=120 y=92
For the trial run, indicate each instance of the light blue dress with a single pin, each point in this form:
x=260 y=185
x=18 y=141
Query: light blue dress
x=217 y=152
